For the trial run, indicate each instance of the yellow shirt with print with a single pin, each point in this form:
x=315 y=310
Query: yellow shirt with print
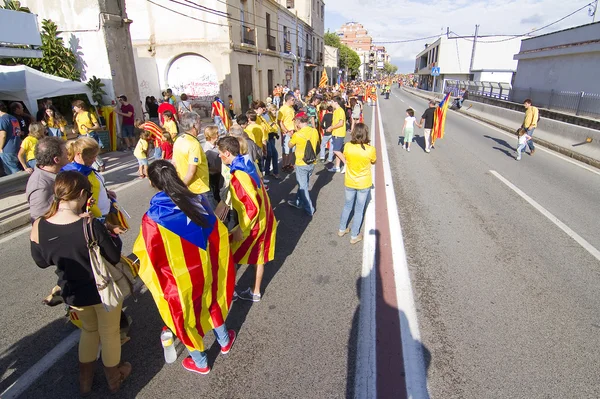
x=339 y=115
x=300 y=139
x=141 y=149
x=187 y=151
x=255 y=132
x=28 y=145
x=171 y=127
x=358 y=165
x=87 y=119
x=286 y=115
x=267 y=127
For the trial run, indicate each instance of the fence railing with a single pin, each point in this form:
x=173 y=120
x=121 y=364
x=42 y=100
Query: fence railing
x=486 y=89
x=578 y=103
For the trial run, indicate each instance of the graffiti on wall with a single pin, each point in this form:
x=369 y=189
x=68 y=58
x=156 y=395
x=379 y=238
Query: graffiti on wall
x=193 y=75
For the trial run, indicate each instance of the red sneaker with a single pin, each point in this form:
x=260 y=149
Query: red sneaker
x=189 y=364
x=225 y=349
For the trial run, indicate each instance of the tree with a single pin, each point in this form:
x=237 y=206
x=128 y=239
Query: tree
x=389 y=69
x=347 y=57
x=56 y=60
x=15 y=6
x=331 y=39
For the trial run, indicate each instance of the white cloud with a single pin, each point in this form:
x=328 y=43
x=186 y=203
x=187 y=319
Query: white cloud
x=388 y=20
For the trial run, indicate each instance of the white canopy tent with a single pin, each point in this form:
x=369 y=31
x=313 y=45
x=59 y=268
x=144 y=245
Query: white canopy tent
x=21 y=83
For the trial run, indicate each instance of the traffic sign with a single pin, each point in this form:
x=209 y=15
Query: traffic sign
x=435 y=71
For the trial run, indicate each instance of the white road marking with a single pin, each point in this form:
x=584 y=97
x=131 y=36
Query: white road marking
x=414 y=364
x=580 y=240
x=366 y=366
x=538 y=147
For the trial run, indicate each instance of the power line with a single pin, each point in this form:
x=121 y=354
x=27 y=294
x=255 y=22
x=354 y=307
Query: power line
x=406 y=40
x=187 y=16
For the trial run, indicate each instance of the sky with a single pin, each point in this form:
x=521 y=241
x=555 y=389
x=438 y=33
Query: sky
x=389 y=20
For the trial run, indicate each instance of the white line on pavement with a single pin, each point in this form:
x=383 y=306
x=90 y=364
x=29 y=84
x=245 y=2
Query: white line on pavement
x=580 y=240
x=539 y=147
x=414 y=364
x=28 y=228
x=366 y=366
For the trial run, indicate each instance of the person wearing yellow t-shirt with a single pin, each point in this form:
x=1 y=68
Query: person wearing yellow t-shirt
x=26 y=154
x=358 y=156
x=300 y=139
x=338 y=131
x=169 y=124
x=55 y=123
x=189 y=157
x=141 y=153
x=268 y=123
x=255 y=131
x=285 y=120
x=85 y=120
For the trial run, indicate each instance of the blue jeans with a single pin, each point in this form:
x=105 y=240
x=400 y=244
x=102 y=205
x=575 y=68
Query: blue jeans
x=530 y=141
x=327 y=139
x=31 y=163
x=303 y=174
x=272 y=156
x=220 y=125
x=520 y=149
x=222 y=338
x=361 y=197
x=157 y=153
x=11 y=163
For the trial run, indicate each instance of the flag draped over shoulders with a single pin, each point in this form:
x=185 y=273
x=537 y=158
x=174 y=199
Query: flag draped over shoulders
x=187 y=268
x=94 y=180
x=250 y=200
x=219 y=110
x=156 y=133
x=439 y=119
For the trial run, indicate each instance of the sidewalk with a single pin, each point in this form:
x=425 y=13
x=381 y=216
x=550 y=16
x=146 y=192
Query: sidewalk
x=14 y=210
x=563 y=141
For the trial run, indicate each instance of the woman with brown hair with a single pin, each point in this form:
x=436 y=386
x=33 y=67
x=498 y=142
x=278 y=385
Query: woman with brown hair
x=57 y=239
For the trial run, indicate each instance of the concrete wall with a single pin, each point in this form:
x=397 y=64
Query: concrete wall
x=495 y=56
x=491 y=76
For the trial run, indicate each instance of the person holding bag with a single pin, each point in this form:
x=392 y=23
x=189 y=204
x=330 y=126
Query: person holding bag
x=58 y=239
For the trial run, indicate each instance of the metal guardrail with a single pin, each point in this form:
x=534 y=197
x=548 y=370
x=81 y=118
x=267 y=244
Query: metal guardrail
x=486 y=89
x=578 y=103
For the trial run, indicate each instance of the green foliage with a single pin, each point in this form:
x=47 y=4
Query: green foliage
x=333 y=40
x=349 y=59
x=15 y=6
x=97 y=88
x=389 y=69
x=57 y=59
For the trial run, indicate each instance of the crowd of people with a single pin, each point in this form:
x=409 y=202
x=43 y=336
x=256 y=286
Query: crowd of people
x=211 y=210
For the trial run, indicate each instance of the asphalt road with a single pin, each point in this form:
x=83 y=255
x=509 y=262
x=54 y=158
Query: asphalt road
x=508 y=303
x=299 y=341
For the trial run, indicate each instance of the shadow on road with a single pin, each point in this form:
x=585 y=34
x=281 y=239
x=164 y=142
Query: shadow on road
x=503 y=143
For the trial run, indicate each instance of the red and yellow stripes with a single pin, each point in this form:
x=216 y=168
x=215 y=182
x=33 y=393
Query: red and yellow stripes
x=220 y=110
x=256 y=220
x=155 y=131
x=192 y=287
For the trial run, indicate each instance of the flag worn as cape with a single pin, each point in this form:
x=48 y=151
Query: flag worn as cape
x=94 y=180
x=187 y=268
x=156 y=133
x=439 y=119
x=219 y=109
x=324 y=79
x=256 y=218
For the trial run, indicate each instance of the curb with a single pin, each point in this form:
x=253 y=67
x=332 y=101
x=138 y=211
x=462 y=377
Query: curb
x=13 y=182
x=14 y=223
x=544 y=143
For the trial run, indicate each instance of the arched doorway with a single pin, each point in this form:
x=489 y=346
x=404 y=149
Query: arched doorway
x=193 y=75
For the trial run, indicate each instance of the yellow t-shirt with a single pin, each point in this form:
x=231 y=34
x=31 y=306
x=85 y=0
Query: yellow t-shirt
x=187 y=151
x=286 y=115
x=255 y=132
x=171 y=127
x=358 y=165
x=54 y=124
x=28 y=145
x=87 y=119
x=300 y=139
x=339 y=115
x=141 y=149
x=231 y=105
x=267 y=127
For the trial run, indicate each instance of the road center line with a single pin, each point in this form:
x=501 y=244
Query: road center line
x=365 y=385
x=414 y=364
x=580 y=240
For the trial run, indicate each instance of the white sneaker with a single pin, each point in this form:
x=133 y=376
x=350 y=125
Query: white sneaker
x=427 y=150
x=343 y=170
x=408 y=149
x=266 y=180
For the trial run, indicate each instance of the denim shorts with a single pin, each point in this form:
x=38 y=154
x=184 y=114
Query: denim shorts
x=338 y=143
x=143 y=161
x=286 y=141
x=127 y=131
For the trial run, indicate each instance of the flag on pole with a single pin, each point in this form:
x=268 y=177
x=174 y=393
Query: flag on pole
x=187 y=268
x=324 y=79
x=439 y=119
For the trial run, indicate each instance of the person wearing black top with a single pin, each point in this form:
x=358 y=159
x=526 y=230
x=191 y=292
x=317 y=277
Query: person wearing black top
x=57 y=239
x=326 y=123
x=427 y=117
x=152 y=109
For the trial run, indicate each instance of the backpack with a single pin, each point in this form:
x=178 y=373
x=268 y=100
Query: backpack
x=309 y=154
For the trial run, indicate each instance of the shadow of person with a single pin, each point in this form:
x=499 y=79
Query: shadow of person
x=506 y=152
x=501 y=142
x=387 y=372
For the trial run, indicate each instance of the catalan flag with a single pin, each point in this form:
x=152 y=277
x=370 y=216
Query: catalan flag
x=95 y=181
x=324 y=79
x=187 y=268
x=439 y=119
x=156 y=133
x=219 y=109
x=256 y=218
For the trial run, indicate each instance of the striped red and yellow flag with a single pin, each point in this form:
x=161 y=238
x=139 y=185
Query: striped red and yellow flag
x=250 y=200
x=187 y=268
x=324 y=79
x=219 y=109
x=439 y=119
x=155 y=131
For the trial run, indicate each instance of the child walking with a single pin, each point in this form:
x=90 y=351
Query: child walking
x=523 y=139
x=141 y=153
x=408 y=128
x=167 y=147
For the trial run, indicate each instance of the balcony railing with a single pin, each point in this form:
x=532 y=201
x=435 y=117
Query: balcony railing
x=248 y=35
x=287 y=46
x=308 y=55
x=320 y=58
x=271 y=42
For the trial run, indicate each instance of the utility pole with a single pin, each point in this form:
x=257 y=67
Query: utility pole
x=447 y=32
x=595 y=12
x=474 y=47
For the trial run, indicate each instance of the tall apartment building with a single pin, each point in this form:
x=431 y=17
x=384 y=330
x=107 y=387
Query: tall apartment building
x=355 y=36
